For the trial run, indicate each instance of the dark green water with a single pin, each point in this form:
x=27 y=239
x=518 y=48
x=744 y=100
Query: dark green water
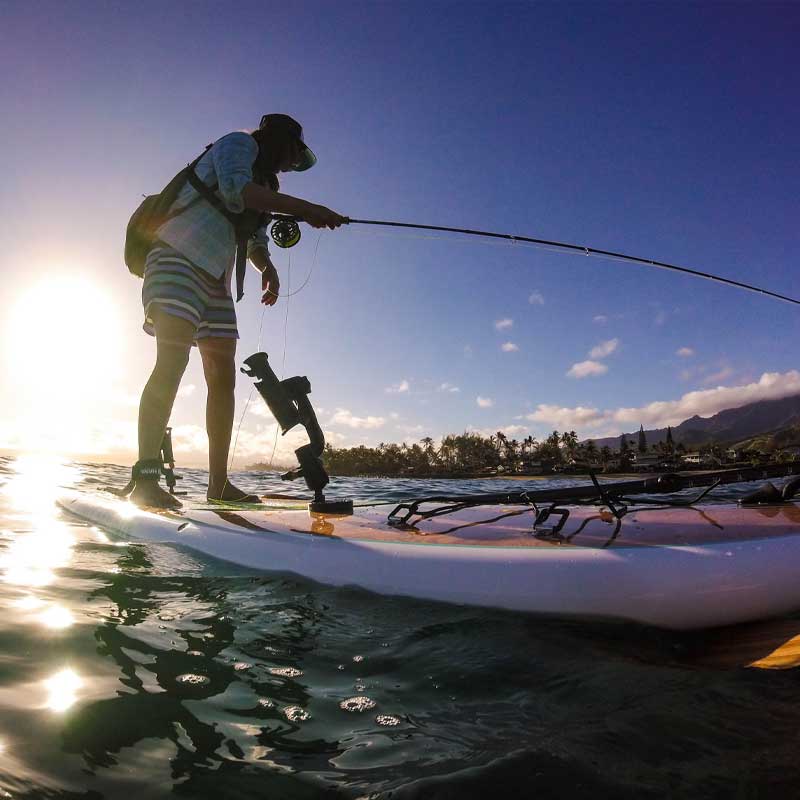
x=145 y=671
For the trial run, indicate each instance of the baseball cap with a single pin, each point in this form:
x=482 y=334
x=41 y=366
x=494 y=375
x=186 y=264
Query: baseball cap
x=283 y=122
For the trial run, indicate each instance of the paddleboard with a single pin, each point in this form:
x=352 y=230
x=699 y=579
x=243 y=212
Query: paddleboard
x=675 y=568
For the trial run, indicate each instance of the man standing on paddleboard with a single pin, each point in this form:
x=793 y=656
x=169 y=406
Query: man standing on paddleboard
x=187 y=287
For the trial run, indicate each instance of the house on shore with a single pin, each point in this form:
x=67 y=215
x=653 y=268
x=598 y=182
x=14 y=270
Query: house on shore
x=701 y=459
x=647 y=462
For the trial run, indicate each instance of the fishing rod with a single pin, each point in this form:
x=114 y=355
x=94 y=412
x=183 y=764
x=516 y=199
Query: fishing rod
x=285 y=232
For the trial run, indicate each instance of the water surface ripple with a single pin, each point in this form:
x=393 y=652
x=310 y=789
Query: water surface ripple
x=141 y=670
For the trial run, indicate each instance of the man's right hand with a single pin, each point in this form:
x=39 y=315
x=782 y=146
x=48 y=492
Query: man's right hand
x=322 y=217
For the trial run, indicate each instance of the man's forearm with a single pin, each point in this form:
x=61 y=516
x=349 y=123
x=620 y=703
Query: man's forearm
x=262 y=198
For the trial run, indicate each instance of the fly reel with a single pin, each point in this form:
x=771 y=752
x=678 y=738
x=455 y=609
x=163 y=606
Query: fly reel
x=285 y=232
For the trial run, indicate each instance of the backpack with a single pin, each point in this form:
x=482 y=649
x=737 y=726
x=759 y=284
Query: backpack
x=154 y=211
x=151 y=214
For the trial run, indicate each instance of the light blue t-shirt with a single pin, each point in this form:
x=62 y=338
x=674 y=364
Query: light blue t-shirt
x=202 y=233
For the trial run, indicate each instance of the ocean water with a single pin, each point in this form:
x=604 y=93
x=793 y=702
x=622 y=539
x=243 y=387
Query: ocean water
x=147 y=671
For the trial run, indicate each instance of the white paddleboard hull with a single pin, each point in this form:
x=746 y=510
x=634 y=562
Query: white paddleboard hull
x=676 y=587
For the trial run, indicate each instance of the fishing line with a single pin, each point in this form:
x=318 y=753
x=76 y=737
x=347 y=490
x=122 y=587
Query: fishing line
x=285 y=231
x=289 y=293
x=285 y=340
x=310 y=272
x=247 y=404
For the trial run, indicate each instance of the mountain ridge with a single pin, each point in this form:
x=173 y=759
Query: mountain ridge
x=730 y=426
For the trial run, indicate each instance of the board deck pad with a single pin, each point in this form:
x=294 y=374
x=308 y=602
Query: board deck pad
x=504 y=526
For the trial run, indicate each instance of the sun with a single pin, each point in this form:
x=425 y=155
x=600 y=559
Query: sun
x=63 y=345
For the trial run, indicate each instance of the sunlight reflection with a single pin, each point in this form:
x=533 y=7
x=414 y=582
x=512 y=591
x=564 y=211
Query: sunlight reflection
x=32 y=556
x=62 y=690
x=36 y=480
x=29 y=602
x=127 y=510
x=100 y=536
x=56 y=617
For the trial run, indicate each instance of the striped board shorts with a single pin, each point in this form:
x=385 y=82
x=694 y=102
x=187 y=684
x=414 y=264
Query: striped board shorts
x=176 y=286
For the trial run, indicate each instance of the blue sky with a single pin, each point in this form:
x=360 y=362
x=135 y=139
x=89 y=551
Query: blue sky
x=665 y=130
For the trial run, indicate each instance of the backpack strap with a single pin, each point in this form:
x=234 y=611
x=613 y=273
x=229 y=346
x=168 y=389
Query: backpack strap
x=187 y=171
x=209 y=193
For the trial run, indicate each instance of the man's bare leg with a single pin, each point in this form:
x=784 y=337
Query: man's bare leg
x=173 y=341
x=219 y=368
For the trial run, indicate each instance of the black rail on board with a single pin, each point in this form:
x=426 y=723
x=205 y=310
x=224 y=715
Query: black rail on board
x=591 y=494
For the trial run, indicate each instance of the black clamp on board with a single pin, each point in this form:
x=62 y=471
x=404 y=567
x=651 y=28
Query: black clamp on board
x=288 y=401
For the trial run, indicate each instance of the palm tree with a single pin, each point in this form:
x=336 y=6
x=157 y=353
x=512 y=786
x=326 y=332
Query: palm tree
x=511 y=451
x=570 y=443
x=429 y=451
x=501 y=443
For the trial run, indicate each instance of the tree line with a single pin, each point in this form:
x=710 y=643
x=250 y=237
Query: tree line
x=471 y=454
x=474 y=454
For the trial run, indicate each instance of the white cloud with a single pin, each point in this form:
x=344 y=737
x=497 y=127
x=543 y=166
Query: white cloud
x=187 y=391
x=604 y=349
x=660 y=413
x=508 y=430
x=569 y=418
x=536 y=299
x=192 y=438
x=600 y=319
x=514 y=430
x=448 y=387
x=265 y=445
x=344 y=417
x=717 y=377
x=467 y=351
x=258 y=408
x=124 y=398
x=503 y=324
x=583 y=369
x=509 y=347
x=333 y=437
x=484 y=402
x=684 y=352
x=398 y=388
x=410 y=429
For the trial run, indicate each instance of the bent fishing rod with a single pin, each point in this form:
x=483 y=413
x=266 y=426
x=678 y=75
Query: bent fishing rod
x=285 y=232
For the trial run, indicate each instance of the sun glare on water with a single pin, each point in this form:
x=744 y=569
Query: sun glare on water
x=63 y=354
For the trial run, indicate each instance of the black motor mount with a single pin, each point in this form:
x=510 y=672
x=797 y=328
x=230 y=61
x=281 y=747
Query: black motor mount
x=288 y=401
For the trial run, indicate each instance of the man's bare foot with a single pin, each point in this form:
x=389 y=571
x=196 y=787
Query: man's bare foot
x=148 y=494
x=231 y=494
